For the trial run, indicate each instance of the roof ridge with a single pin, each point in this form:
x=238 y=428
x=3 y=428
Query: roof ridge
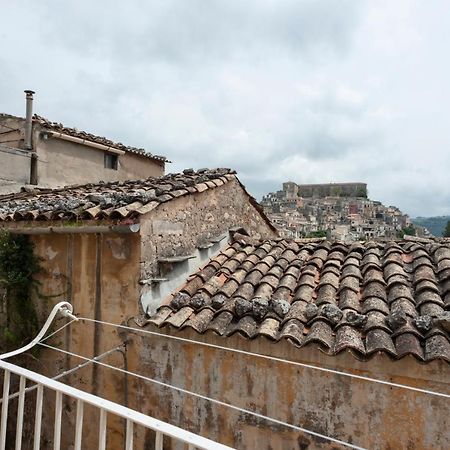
x=110 y=200
x=73 y=131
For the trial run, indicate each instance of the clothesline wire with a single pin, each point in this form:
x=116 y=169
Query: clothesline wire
x=272 y=358
x=69 y=371
x=58 y=330
x=204 y=397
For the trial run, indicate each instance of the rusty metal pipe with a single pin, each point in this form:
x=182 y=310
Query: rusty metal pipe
x=133 y=228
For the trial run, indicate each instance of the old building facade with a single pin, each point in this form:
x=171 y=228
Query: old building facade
x=106 y=248
x=35 y=151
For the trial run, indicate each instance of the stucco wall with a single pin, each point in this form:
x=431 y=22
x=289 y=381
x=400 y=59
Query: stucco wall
x=14 y=169
x=62 y=162
x=179 y=226
x=367 y=414
x=99 y=275
x=8 y=135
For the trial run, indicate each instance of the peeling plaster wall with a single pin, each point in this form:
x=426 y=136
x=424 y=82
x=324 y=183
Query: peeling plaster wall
x=367 y=414
x=99 y=275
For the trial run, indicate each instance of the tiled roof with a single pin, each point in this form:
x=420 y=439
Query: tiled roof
x=60 y=128
x=112 y=200
x=391 y=297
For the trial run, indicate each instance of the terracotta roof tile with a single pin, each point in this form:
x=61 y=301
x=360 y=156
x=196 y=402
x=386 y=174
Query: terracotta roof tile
x=365 y=297
x=60 y=128
x=116 y=200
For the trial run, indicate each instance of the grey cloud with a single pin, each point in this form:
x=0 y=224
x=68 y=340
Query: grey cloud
x=200 y=31
x=295 y=89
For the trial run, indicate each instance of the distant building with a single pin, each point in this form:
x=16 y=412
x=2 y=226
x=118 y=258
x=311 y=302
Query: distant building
x=326 y=190
x=342 y=215
x=35 y=151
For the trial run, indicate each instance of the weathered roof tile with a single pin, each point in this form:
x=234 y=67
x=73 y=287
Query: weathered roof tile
x=113 y=200
x=314 y=293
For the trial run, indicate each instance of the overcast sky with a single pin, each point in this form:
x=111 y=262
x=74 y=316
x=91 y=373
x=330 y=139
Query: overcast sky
x=307 y=91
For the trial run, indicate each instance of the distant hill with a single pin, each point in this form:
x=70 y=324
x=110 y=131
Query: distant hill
x=435 y=225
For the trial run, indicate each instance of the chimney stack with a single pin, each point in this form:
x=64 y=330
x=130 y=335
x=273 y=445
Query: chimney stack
x=28 y=120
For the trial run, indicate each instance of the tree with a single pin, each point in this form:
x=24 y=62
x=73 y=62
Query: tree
x=447 y=229
x=361 y=192
x=317 y=234
x=410 y=231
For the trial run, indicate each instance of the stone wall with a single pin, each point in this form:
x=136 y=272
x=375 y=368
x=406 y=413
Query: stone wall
x=333 y=190
x=11 y=129
x=179 y=226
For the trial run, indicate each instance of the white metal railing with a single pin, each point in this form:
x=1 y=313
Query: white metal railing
x=44 y=384
x=105 y=407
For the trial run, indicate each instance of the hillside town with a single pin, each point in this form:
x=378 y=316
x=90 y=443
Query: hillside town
x=168 y=280
x=338 y=211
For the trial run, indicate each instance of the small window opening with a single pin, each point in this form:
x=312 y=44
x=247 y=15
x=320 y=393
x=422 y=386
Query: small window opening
x=111 y=161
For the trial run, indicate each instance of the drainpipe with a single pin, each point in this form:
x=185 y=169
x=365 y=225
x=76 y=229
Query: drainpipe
x=28 y=137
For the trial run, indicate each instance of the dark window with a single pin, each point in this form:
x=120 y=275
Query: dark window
x=111 y=161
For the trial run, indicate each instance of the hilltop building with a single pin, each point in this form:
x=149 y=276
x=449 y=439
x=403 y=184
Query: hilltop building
x=321 y=190
x=334 y=209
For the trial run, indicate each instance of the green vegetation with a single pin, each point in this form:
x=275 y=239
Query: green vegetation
x=362 y=192
x=435 y=225
x=409 y=231
x=447 y=229
x=317 y=234
x=18 y=265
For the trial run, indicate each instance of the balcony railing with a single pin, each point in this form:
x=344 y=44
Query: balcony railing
x=104 y=407
x=58 y=391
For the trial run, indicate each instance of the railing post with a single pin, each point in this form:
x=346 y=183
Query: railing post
x=129 y=436
x=38 y=417
x=58 y=411
x=4 y=423
x=79 y=425
x=102 y=430
x=20 y=408
x=159 y=441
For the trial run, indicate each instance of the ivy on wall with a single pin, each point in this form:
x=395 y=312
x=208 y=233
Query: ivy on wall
x=18 y=266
